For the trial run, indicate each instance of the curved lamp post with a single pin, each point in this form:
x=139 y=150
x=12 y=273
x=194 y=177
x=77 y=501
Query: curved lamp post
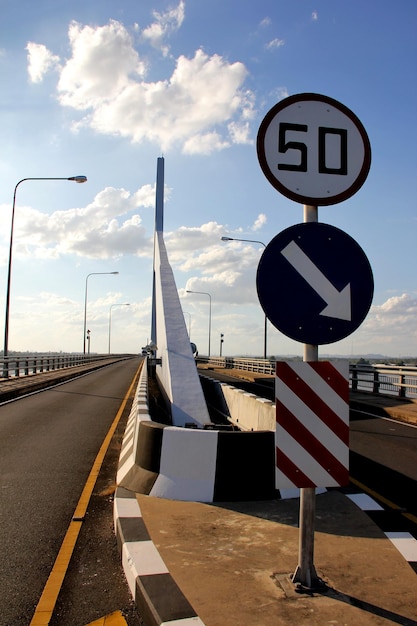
x=85 y=302
x=204 y=293
x=111 y=306
x=76 y=179
x=266 y=319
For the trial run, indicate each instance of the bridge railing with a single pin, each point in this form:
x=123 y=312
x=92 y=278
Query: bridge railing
x=378 y=379
x=27 y=364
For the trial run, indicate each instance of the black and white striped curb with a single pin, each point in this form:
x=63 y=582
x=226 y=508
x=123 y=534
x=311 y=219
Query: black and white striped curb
x=199 y=465
x=157 y=596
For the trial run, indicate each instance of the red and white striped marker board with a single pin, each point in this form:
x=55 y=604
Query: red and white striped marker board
x=312 y=432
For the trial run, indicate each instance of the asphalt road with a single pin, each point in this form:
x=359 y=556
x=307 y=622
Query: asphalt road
x=383 y=456
x=48 y=443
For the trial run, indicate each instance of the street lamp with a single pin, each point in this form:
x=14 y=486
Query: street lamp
x=247 y=240
x=111 y=306
x=76 y=179
x=85 y=302
x=266 y=319
x=204 y=293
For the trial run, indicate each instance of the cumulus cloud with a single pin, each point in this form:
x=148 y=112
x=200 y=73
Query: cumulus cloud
x=108 y=227
x=225 y=270
x=202 y=107
x=40 y=61
x=102 y=62
x=398 y=312
x=392 y=323
x=164 y=24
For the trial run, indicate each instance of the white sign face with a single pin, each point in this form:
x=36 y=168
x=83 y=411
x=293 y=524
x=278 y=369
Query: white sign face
x=313 y=149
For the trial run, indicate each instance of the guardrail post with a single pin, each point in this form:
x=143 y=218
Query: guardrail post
x=375 y=388
x=27 y=367
x=354 y=378
x=402 y=388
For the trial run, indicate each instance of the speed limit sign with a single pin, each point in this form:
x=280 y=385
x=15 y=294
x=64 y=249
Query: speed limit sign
x=313 y=149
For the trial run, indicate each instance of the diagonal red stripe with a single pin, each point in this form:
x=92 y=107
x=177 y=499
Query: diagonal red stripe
x=313 y=401
x=291 y=471
x=332 y=377
x=311 y=444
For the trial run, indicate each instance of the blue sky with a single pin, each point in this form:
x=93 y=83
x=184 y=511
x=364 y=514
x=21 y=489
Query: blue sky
x=105 y=88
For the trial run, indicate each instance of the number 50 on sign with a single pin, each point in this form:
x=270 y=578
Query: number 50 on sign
x=313 y=149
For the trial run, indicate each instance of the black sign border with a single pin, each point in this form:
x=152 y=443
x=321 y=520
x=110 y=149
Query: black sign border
x=326 y=201
x=271 y=282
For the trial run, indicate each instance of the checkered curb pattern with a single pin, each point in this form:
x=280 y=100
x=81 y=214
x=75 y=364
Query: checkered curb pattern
x=156 y=594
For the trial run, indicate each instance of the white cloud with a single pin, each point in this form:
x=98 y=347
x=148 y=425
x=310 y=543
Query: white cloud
x=204 y=144
x=105 y=228
x=265 y=22
x=202 y=107
x=259 y=222
x=192 y=238
x=314 y=16
x=274 y=44
x=398 y=312
x=102 y=62
x=40 y=61
x=280 y=93
x=392 y=323
x=164 y=25
x=225 y=270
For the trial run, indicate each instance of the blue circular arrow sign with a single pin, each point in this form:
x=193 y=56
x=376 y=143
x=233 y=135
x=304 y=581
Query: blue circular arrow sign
x=315 y=283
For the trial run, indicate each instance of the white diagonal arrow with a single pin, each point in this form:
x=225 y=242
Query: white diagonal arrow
x=338 y=302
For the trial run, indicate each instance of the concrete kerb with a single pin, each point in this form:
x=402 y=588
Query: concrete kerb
x=155 y=592
x=194 y=464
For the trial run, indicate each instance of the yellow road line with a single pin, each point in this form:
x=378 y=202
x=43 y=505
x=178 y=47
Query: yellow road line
x=382 y=499
x=44 y=610
x=114 y=619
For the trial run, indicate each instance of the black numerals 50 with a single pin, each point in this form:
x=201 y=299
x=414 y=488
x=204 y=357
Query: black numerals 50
x=302 y=166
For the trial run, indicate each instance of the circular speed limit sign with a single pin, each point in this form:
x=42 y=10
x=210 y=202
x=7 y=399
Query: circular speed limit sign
x=313 y=149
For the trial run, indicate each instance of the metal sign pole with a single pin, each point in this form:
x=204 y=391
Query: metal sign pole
x=306 y=574
x=331 y=143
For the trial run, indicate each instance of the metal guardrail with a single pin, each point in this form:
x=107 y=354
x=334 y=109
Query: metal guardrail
x=27 y=364
x=395 y=380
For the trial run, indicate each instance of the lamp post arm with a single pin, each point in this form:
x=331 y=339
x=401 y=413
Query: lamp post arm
x=244 y=240
x=9 y=273
x=85 y=298
x=266 y=319
x=77 y=179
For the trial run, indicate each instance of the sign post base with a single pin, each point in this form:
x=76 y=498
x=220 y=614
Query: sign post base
x=306 y=574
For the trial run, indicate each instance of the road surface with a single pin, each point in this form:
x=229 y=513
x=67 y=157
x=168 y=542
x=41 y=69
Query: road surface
x=48 y=443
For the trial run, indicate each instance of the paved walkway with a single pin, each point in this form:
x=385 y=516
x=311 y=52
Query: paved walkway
x=233 y=563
